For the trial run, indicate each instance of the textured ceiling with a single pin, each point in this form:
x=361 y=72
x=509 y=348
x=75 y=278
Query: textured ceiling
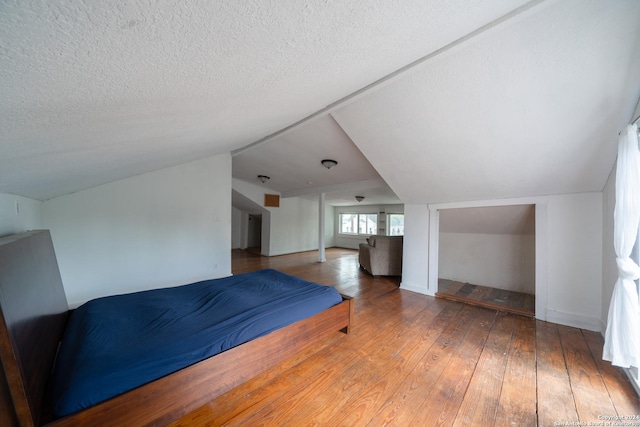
x=507 y=98
x=293 y=162
x=531 y=107
x=96 y=91
x=302 y=149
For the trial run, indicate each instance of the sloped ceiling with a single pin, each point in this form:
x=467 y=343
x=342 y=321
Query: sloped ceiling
x=514 y=219
x=302 y=149
x=440 y=100
x=532 y=107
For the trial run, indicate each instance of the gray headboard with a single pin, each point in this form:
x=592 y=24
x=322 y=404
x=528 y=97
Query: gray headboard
x=33 y=310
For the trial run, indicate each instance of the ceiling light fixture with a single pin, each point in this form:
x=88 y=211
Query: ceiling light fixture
x=359 y=198
x=328 y=163
x=264 y=178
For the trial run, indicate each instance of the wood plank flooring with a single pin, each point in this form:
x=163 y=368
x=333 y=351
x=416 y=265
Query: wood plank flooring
x=499 y=299
x=417 y=360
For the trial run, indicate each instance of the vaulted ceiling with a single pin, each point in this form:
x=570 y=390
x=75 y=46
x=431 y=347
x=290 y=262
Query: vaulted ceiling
x=419 y=101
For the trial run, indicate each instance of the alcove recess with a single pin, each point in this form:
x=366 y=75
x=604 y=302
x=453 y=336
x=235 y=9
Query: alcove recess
x=487 y=257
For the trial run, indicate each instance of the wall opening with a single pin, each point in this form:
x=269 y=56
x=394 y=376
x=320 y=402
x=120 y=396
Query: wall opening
x=254 y=234
x=487 y=256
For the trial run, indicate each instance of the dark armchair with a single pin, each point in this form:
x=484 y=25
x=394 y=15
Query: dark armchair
x=382 y=255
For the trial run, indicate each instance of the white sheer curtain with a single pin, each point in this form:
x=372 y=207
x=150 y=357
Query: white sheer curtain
x=622 y=339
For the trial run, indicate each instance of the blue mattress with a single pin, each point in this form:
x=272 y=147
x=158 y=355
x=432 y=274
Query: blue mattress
x=114 y=344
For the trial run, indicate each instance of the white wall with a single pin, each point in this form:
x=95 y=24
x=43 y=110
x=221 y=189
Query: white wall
x=18 y=214
x=329 y=226
x=236 y=228
x=415 y=249
x=573 y=261
x=492 y=246
x=352 y=242
x=163 y=228
x=254 y=193
x=292 y=227
x=503 y=261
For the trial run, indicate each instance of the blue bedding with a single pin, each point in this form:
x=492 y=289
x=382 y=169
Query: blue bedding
x=114 y=344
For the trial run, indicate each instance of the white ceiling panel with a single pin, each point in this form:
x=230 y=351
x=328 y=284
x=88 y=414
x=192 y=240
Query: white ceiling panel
x=529 y=104
x=293 y=160
x=530 y=107
x=97 y=91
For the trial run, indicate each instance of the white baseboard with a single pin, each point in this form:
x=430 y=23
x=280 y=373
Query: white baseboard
x=562 y=318
x=293 y=251
x=603 y=327
x=574 y=320
x=418 y=289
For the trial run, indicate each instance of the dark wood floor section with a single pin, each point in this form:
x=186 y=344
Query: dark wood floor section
x=499 y=299
x=418 y=360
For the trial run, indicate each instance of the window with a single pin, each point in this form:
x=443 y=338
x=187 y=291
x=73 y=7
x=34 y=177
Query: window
x=356 y=224
x=396 y=225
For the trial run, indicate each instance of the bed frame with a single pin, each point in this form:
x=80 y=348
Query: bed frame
x=34 y=312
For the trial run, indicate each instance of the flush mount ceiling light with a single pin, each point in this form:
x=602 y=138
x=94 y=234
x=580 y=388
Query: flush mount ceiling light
x=359 y=198
x=328 y=163
x=264 y=178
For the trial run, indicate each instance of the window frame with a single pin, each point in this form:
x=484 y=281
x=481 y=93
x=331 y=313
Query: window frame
x=388 y=224
x=357 y=222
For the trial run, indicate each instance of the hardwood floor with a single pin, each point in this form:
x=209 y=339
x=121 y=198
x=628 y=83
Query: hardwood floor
x=417 y=360
x=499 y=299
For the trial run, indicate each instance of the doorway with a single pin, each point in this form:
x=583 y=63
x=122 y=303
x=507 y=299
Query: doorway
x=254 y=234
